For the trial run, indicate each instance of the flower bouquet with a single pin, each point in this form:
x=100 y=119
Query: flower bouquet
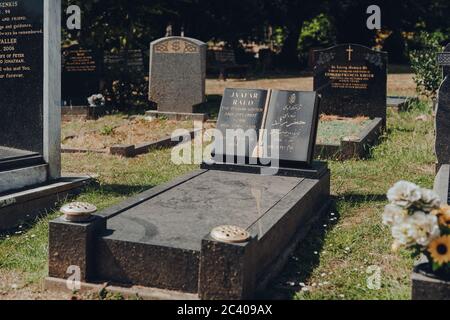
x=419 y=223
x=96 y=100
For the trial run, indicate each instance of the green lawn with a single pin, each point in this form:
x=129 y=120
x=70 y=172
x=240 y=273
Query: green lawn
x=332 y=263
x=332 y=132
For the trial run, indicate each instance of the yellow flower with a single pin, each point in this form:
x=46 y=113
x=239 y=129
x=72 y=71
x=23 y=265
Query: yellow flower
x=440 y=250
x=443 y=215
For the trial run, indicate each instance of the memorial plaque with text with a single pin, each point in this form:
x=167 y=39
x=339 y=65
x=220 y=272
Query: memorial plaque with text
x=21 y=74
x=242 y=110
x=80 y=76
x=295 y=116
x=352 y=80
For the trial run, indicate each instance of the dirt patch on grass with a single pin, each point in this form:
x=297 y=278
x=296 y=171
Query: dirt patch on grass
x=398 y=84
x=13 y=286
x=106 y=132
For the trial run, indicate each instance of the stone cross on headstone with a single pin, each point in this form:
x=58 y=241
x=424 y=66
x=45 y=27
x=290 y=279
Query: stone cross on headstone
x=443 y=114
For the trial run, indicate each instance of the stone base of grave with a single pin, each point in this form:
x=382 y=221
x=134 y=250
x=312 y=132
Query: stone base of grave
x=177 y=116
x=161 y=239
x=442 y=183
x=357 y=147
x=27 y=204
x=69 y=113
x=20 y=169
x=397 y=102
x=429 y=288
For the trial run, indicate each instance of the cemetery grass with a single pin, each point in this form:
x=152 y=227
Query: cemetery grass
x=332 y=262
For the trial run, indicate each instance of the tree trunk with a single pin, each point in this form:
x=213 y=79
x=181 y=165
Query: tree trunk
x=289 y=52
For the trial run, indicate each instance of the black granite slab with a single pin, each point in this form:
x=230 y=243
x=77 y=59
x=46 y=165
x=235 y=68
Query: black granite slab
x=13 y=159
x=160 y=239
x=11 y=154
x=21 y=75
x=295 y=116
x=443 y=117
x=81 y=72
x=191 y=212
x=352 y=80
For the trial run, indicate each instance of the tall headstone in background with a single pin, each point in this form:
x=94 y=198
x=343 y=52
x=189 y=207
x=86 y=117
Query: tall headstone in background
x=443 y=115
x=352 y=80
x=447 y=68
x=30 y=73
x=81 y=71
x=177 y=74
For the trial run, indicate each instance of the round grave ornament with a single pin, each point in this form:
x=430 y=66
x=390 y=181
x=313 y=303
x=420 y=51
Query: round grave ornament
x=230 y=234
x=78 y=211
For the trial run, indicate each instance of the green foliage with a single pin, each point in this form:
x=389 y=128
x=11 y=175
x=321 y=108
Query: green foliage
x=317 y=32
x=107 y=130
x=416 y=105
x=428 y=75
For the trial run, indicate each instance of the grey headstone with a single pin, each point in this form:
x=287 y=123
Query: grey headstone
x=30 y=80
x=177 y=74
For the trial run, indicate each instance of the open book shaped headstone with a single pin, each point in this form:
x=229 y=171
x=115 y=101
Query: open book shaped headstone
x=268 y=127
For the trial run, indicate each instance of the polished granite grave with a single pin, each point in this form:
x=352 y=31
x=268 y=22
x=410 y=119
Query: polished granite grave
x=160 y=239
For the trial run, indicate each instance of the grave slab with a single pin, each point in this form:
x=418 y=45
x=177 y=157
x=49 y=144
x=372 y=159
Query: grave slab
x=25 y=205
x=353 y=147
x=160 y=239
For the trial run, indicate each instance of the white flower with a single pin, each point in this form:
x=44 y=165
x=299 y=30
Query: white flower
x=393 y=214
x=404 y=194
x=402 y=235
x=96 y=100
x=430 y=200
x=424 y=228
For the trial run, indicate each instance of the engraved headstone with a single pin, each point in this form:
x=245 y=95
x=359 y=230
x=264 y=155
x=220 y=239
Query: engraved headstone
x=254 y=118
x=295 y=115
x=352 y=80
x=177 y=74
x=126 y=61
x=443 y=115
x=80 y=76
x=30 y=80
x=241 y=109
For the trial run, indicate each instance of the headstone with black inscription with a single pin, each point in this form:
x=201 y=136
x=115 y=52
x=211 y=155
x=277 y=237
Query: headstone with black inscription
x=294 y=115
x=352 y=80
x=81 y=71
x=177 y=74
x=130 y=61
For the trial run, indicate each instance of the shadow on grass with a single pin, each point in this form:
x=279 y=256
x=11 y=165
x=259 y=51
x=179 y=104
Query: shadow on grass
x=306 y=257
x=210 y=107
x=361 y=198
x=119 y=190
x=303 y=261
